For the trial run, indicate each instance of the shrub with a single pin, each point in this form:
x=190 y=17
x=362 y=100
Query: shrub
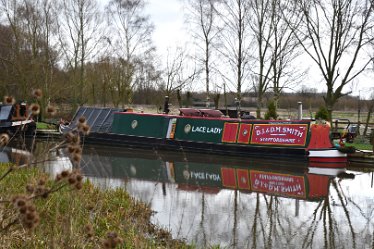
x=272 y=111
x=322 y=113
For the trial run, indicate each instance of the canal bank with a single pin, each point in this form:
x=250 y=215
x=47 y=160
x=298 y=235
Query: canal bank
x=66 y=216
x=362 y=156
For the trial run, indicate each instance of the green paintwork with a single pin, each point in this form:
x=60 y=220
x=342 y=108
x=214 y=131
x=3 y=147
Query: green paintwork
x=154 y=126
x=198 y=174
x=200 y=130
x=146 y=169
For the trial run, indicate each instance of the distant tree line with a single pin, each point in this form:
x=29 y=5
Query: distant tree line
x=86 y=52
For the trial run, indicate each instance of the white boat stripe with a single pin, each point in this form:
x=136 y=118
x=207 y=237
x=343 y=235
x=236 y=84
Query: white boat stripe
x=326 y=153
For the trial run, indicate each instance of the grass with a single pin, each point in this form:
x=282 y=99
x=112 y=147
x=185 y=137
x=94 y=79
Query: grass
x=45 y=126
x=82 y=218
x=361 y=144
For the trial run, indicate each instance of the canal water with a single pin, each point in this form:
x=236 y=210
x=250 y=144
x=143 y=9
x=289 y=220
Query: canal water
x=240 y=202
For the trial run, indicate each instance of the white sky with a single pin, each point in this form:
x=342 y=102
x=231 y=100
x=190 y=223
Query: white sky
x=168 y=18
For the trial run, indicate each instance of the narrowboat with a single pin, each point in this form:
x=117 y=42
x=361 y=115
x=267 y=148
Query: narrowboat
x=208 y=131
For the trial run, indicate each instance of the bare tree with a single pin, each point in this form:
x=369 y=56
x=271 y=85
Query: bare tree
x=276 y=48
x=176 y=74
x=335 y=33
x=80 y=34
x=203 y=17
x=235 y=38
x=285 y=49
x=14 y=59
x=33 y=58
x=263 y=31
x=131 y=40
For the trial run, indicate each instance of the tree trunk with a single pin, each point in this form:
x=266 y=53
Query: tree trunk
x=370 y=111
x=259 y=106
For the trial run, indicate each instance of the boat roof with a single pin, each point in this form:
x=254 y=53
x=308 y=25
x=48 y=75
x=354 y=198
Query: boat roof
x=200 y=112
x=189 y=112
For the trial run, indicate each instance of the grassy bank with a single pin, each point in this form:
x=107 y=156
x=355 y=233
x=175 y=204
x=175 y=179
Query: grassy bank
x=361 y=146
x=72 y=217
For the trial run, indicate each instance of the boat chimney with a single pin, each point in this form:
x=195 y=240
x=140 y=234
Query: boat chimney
x=237 y=104
x=299 y=110
x=166 y=105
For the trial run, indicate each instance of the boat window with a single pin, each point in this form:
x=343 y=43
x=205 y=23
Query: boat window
x=22 y=110
x=5 y=112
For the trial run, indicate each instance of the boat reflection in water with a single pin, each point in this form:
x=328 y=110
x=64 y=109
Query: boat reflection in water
x=242 y=203
x=9 y=155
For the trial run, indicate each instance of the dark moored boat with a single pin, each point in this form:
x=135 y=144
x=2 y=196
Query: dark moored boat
x=15 y=118
x=209 y=131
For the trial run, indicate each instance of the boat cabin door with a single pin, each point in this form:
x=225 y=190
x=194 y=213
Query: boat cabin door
x=171 y=128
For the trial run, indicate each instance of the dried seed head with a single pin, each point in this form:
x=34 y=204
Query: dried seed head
x=76 y=158
x=58 y=177
x=85 y=129
x=69 y=136
x=23 y=210
x=35 y=109
x=31 y=208
x=45 y=194
x=117 y=241
x=75 y=140
x=78 y=185
x=29 y=188
x=39 y=190
x=65 y=173
x=79 y=177
x=20 y=203
x=37 y=93
x=89 y=231
x=111 y=235
x=30 y=216
x=72 y=180
x=112 y=240
x=28 y=224
x=36 y=219
x=4 y=139
x=107 y=244
x=9 y=100
x=51 y=110
x=71 y=148
x=82 y=120
x=77 y=150
x=42 y=181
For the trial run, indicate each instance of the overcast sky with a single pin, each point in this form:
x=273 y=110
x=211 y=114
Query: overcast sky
x=168 y=17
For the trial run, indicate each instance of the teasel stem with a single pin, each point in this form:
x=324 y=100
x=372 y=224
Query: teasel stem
x=10 y=169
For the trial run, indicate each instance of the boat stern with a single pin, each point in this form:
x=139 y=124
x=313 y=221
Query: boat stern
x=320 y=148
